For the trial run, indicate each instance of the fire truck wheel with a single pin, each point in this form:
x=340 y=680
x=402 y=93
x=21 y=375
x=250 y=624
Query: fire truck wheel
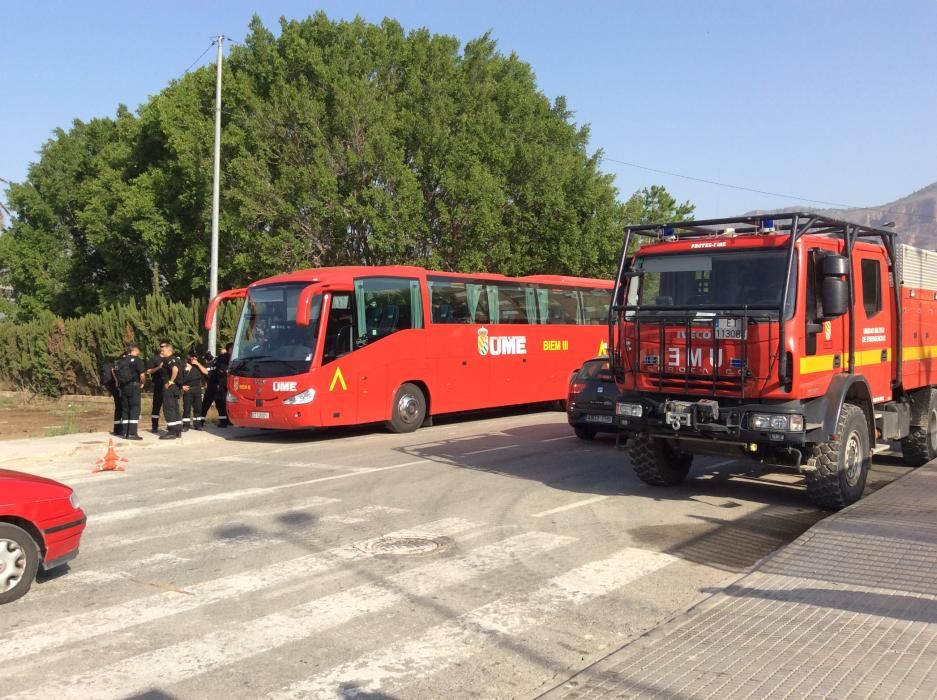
x=920 y=447
x=584 y=433
x=658 y=463
x=840 y=467
x=19 y=561
x=408 y=410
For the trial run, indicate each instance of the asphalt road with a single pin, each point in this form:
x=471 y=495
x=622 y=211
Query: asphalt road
x=490 y=557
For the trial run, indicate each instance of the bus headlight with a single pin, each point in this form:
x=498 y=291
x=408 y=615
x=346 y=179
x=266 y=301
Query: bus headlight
x=301 y=398
x=777 y=421
x=230 y=398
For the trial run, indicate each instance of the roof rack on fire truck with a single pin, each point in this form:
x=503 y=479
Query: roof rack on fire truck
x=801 y=222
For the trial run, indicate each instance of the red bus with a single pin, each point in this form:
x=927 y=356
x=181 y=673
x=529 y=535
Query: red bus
x=352 y=345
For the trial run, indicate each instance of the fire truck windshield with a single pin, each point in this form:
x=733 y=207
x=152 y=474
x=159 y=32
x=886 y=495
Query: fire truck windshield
x=269 y=342
x=711 y=281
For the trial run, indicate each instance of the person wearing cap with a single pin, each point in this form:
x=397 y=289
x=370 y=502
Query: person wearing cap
x=130 y=374
x=173 y=369
x=192 y=392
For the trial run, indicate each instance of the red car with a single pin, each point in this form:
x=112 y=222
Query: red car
x=40 y=526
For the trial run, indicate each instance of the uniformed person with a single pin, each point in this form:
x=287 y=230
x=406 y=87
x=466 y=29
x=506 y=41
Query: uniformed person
x=211 y=386
x=110 y=381
x=192 y=392
x=130 y=374
x=221 y=391
x=158 y=377
x=174 y=370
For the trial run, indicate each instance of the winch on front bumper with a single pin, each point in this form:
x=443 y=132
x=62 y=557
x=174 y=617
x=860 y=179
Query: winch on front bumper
x=780 y=423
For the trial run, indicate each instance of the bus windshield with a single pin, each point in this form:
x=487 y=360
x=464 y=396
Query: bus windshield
x=711 y=280
x=269 y=342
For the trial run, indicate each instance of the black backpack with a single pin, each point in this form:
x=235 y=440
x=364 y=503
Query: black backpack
x=107 y=374
x=124 y=370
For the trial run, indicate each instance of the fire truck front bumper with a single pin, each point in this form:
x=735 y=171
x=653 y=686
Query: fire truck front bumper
x=781 y=424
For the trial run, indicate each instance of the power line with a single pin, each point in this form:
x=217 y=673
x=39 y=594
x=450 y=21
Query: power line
x=210 y=46
x=837 y=205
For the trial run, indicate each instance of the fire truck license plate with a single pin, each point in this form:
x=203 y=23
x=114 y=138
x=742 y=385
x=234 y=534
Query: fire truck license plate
x=730 y=329
x=260 y=414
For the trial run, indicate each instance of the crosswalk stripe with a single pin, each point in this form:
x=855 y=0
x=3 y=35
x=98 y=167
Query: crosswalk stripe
x=173 y=664
x=132 y=513
x=457 y=640
x=83 y=626
x=127 y=538
x=204 y=550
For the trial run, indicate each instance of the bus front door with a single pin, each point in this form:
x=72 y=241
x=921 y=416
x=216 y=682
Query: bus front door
x=339 y=402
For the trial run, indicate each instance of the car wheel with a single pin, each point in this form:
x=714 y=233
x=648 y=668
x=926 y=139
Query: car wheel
x=408 y=411
x=19 y=561
x=585 y=433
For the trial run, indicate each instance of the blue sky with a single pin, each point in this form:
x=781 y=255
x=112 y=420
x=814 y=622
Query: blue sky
x=835 y=101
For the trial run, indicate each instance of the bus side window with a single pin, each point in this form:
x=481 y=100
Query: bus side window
x=449 y=301
x=512 y=303
x=595 y=304
x=387 y=305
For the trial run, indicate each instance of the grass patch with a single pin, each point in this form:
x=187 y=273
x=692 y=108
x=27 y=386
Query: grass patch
x=68 y=427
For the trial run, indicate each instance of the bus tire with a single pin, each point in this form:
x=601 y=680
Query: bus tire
x=408 y=411
x=838 y=469
x=19 y=561
x=584 y=433
x=920 y=446
x=657 y=462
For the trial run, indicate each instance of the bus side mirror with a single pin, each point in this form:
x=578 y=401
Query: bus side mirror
x=834 y=297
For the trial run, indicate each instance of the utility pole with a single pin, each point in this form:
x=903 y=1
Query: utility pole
x=215 y=196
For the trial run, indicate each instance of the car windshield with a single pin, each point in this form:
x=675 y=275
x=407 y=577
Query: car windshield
x=269 y=342
x=711 y=280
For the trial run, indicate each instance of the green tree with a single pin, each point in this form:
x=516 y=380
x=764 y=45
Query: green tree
x=343 y=143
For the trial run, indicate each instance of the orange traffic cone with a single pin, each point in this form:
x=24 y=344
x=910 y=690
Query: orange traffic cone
x=110 y=461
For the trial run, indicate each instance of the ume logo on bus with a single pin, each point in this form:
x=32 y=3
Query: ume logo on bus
x=501 y=344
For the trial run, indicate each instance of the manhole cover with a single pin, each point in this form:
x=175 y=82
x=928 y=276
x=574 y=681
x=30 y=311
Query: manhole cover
x=405 y=545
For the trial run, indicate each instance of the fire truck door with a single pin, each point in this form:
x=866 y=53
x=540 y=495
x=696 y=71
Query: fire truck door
x=824 y=350
x=873 y=323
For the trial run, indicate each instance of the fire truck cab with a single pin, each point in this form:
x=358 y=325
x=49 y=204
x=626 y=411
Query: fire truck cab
x=798 y=341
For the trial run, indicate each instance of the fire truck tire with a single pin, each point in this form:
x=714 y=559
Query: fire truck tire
x=19 y=561
x=920 y=446
x=584 y=433
x=658 y=463
x=408 y=411
x=840 y=467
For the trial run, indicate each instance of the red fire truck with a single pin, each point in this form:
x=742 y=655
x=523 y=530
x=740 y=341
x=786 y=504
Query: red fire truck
x=800 y=341
x=350 y=345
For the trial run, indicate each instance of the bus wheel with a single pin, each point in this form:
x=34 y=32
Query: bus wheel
x=837 y=469
x=408 y=410
x=657 y=462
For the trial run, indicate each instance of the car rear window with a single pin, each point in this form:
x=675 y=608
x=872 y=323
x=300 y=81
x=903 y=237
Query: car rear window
x=590 y=370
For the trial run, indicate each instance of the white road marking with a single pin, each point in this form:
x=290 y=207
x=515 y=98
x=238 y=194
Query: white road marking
x=225 y=647
x=490 y=449
x=360 y=515
x=83 y=626
x=132 y=513
x=569 y=506
x=470 y=634
x=187 y=526
x=564 y=437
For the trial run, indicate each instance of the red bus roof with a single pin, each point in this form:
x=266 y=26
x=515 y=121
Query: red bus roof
x=336 y=275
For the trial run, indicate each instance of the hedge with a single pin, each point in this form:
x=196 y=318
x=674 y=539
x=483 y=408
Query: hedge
x=52 y=356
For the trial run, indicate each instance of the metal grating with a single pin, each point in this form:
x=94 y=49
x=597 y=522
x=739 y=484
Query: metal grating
x=917 y=268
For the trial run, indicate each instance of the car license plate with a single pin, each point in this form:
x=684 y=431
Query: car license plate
x=598 y=419
x=730 y=329
x=260 y=414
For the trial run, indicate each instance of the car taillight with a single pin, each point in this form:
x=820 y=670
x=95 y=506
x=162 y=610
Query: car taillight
x=576 y=388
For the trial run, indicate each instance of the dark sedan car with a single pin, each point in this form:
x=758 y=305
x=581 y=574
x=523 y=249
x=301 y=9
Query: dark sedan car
x=590 y=407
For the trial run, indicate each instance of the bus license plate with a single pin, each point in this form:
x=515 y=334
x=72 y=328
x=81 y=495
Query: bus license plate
x=730 y=329
x=260 y=414
x=598 y=419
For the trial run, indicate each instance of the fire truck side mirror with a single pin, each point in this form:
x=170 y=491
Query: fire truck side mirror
x=834 y=293
x=834 y=297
